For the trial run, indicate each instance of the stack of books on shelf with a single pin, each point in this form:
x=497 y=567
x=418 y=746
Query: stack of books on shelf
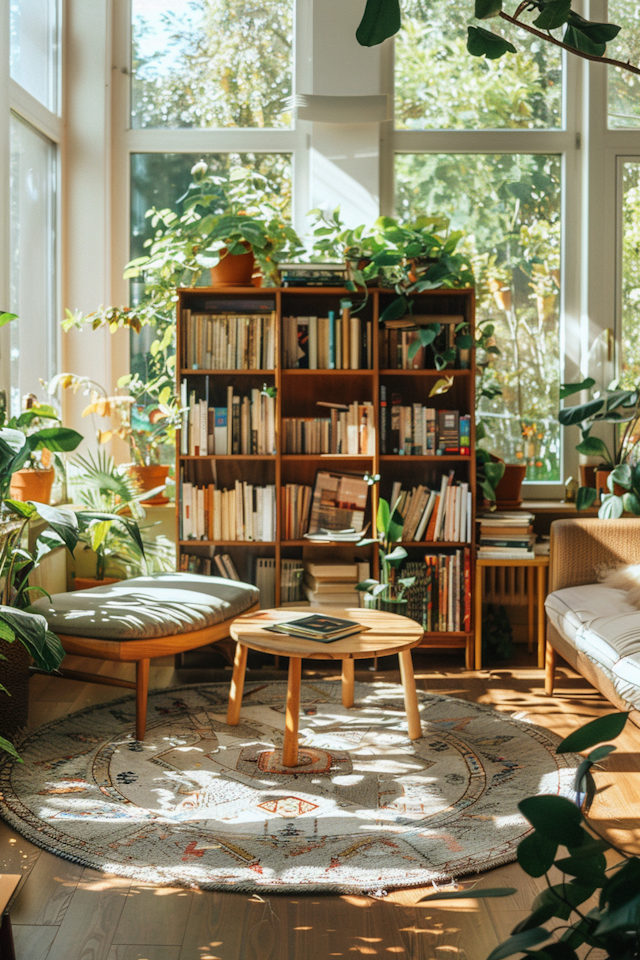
x=320 y=274
x=219 y=565
x=296 y=505
x=443 y=514
x=265 y=580
x=414 y=430
x=440 y=599
x=291 y=586
x=349 y=430
x=334 y=584
x=327 y=343
x=242 y=425
x=246 y=512
x=229 y=341
x=399 y=336
x=506 y=535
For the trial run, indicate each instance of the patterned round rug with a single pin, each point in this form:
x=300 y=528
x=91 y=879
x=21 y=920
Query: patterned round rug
x=204 y=804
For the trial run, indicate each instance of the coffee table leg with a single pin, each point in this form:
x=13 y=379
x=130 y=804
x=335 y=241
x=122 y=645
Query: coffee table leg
x=410 y=697
x=348 y=670
x=237 y=685
x=292 y=718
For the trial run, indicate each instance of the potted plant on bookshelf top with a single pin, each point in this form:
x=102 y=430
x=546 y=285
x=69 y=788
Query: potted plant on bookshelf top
x=387 y=593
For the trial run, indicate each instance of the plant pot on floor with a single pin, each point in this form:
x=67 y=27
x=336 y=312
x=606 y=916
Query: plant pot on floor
x=509 y=487
x=29 y=484
x=234 y=270
x=149 y=478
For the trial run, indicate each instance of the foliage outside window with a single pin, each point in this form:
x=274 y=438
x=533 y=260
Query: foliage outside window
x=629 y=340
x=211 y=63
x=624 y=87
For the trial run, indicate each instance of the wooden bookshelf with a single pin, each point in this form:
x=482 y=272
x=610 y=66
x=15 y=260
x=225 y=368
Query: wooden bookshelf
x=297 y=393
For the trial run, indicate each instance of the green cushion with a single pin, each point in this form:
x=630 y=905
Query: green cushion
x=147 y=607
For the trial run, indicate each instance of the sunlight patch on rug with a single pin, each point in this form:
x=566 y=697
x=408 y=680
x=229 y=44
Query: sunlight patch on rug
x=201 y=803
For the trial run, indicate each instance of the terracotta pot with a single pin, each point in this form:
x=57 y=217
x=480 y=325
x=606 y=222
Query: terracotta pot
x=508 y=489
x=89 y=583
x=149 y=478
x=602 y=475
x=31 y=484
x=588 y=475
x=234 y=270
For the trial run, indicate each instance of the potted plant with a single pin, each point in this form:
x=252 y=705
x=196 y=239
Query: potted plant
x=30 y=472
x=356 y=247
x=387 y=593
x=618 y=471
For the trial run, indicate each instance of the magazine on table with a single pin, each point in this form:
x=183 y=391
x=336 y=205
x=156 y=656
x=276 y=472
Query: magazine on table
x=318 y=627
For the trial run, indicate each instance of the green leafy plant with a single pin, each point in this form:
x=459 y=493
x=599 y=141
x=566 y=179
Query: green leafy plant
x=390 y=588
x=563 y=838
x=621 y=408
x=23 y=440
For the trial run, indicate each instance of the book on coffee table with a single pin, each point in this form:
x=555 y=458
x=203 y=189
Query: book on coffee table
x=318 y=627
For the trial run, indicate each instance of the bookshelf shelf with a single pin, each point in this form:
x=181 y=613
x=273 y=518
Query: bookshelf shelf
x=278 y=323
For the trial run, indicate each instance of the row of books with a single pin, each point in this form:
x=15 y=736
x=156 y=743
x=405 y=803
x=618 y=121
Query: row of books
x=506 y=535
x=242 y=425
x=219 y=565
x=327 y=343
x=433 y=515
x=398 y=350
x=440 y=598
x=229 y=341
x=246 y=512
x=319 y=274
x=416 y=430
x=349 y=430
x=296 y=507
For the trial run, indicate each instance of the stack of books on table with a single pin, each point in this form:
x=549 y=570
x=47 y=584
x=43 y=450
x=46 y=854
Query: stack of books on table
x=319 y=274
x=318 y=627
x=506 y=535
x=334 y=584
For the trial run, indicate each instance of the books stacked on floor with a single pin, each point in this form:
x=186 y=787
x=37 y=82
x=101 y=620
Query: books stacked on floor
x=291 y=574
x=318 y=627
x=296 y=504
x=219 y=565
x=506 y=535
x=343 y=342
x=349 y=430
x=334 y=584
x=320 y=274
x=246 y=512
x=229 y=341
x=241 y=425
x=414 y=430
x=398 y=350
x=440 y=599
x=434 y=515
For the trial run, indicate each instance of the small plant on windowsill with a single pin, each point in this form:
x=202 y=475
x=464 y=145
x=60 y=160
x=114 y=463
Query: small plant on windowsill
x=387 y=593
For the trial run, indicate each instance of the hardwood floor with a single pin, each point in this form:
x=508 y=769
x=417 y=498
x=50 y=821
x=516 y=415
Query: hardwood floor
x=65 y=912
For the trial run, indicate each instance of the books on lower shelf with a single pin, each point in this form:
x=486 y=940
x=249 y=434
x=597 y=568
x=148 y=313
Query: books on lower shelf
x=349 y=430
x=415 y=430
x=342 y=342
x=295 y=503
x=218 y=565
x=435 y=514
x=245 y=512
x=229 y=341
x=239 y=425
x=506 y=535
x=398 y=349
x=440 y=599
x=334 y=584
x=266 y=581
x=291 y=574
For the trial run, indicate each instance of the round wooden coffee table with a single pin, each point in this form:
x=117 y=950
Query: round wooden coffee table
x=386 y=634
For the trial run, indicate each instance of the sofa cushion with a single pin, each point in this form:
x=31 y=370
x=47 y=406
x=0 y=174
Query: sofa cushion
x=147 y=607
x=603 y=626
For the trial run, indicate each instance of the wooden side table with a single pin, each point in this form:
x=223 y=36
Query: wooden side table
x=536 y=571
x=386 y=634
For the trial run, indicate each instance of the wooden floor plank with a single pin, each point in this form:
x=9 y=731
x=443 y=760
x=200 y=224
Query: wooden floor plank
x=154 y=915
x=215 y=926
x=46 y=893
x=33 y=942
x=149 y=951
x=87 y=931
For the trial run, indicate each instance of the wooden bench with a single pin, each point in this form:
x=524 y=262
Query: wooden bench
x=134 y=621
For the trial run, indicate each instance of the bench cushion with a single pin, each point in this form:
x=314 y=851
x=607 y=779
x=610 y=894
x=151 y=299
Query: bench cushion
x=145 y=608
x=602 y=626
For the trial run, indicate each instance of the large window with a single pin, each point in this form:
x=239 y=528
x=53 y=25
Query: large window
x=34 y=54
x=630 y=275
x=624 y=87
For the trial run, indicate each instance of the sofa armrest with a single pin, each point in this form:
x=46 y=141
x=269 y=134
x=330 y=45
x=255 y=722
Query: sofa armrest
x=581 y=548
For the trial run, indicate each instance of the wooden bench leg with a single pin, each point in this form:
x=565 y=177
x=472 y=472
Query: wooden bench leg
x=410 y=696
x=549 y=670
x=292 y=716
x=237 y=685
x=142 y=691
x=348 y=671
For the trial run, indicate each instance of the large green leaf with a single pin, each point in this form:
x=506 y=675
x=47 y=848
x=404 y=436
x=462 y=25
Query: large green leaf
x=395 y=558
x=586 y=497
x=7 y=318
x=631 y=503
x=602 y=728
x=5 y=744
x=580 y=41
x=568 y=389
x=611 y=507
x=487 y=8
x=570 y=415
x=556 y=818
x=62 y=522
x=622 y=475
x=471 y=893
x=394 y=310
x=553 y=15
x=519 y=942
x=594 y=447
x=536 y=854
x=381 y=19
x=481 y=42
x=383 y=517
x=33 y=632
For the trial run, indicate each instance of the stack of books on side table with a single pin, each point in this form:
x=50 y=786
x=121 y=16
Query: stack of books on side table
x=506 y=535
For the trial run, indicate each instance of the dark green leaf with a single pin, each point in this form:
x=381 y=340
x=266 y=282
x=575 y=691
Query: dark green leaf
x=602 y=728
x=4 y=744
x=556 y=818
x=568 y=389
x=556 y=951
x=428 y=334
x=585 y=868
x=394 y=310
x=620 y=474
x=594 y=447
x=553 y=15
x=586 y=497
x=470 y=893
x=481 y=42
x=381 y=19
x=631 y=503
x=536 y=854
x=62 y=522
x=487 y=8
x=464 y=341
x=518 y=943
x=579 y=41
x=571 y=415
x=56 y=439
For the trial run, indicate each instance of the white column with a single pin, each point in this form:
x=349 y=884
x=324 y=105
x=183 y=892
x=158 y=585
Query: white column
x=4 y=193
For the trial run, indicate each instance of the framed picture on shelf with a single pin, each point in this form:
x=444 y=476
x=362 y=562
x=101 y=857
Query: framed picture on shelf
x=339 y=503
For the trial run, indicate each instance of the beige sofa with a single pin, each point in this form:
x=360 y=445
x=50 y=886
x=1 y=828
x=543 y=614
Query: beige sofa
x=593 y=626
